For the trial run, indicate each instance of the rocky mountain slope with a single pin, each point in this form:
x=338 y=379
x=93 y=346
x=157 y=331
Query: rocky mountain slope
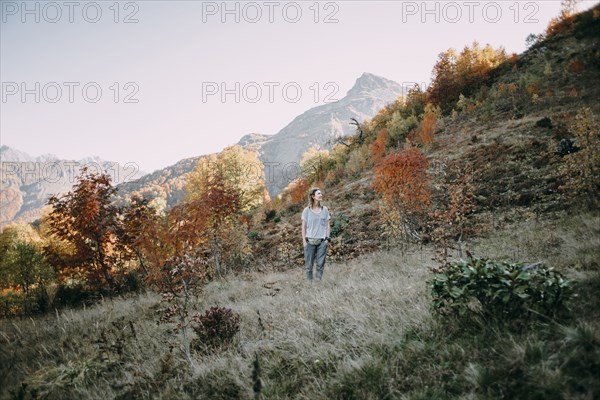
x=320 y=126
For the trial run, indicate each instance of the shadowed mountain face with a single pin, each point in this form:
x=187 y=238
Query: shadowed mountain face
x=319 y=126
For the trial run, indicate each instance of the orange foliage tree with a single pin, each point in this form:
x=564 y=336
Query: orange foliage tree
x=565 y=19
x=140 y=233
x=202 y=225
x=218 y=207
x=455 y=74
x=222 y=193
x=193 y=234
x=428 y=125
x=401 y=179
x=298 y=190
x=378 y=147
x=86 y=219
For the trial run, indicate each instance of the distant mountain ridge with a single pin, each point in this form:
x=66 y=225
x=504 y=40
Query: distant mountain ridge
x=27 y=182
x=9 y=154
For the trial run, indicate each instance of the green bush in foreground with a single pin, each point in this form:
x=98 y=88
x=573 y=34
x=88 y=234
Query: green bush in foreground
x=498 y=289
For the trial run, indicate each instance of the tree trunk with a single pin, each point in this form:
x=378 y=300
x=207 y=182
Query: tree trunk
x=216 y=257
x=142 y=264
x=184 y=327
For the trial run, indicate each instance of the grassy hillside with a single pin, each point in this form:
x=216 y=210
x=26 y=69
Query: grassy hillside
x=368 y=331
x=365 y=332
x=509 y=137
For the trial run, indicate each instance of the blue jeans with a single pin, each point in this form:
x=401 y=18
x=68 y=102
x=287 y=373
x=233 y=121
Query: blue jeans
x=312 y=253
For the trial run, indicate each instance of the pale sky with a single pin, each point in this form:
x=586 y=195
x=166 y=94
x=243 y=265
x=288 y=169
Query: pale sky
x=162 y=75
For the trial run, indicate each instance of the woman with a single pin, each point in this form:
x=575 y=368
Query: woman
x=315 y=233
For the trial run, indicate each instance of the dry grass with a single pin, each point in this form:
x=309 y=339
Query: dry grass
x=306 y=330
x=568 y=243
x=116 y=347
x=365 y=332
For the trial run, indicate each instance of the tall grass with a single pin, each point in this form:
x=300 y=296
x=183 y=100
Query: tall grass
x=365 y=332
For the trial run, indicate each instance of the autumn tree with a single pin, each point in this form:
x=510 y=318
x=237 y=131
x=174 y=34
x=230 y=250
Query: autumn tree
x=219 y=208
x=239 y=169
x=383 y=116
x=61 y=254
x=474 y=64
x=428 y=125
x=379 y=146
x=565 y=19
x=455 y=74
x=338 y=156
x=218 y=196
x=298 y=190
x=414 y=103
x=401 y=178
x=314 y=164
x=193 y=238
x=86 y=218
x=444 y=88
x=140 y=232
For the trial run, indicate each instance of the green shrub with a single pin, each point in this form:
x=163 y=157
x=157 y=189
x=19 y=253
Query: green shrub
x=18 y=304
x=72 y=296
x=339 y=223
x=399 y=127
x=270 y=215
x=498 y=289
x=254 y=236
x=130 y=282
x=216 y=328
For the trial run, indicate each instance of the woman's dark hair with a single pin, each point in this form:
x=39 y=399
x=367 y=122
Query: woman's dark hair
x=311 y=193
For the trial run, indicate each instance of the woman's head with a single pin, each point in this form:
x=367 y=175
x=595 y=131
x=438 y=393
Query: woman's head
x=314 y=196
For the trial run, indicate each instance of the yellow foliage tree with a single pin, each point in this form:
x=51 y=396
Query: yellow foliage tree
x=240 y=170
x=221 y=194
x=314 y=164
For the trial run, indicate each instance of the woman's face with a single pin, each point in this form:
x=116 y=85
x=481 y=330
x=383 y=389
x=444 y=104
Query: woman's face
x=318 y=196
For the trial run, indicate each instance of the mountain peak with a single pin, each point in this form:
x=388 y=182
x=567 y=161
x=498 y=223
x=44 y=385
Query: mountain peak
x=369 y=82
x=8 y=154
x=252 y=138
